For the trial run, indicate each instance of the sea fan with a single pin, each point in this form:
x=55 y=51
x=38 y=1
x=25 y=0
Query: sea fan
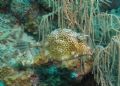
x=106 y=63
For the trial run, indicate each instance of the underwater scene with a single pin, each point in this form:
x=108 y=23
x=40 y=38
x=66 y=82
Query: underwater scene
x=59 y=42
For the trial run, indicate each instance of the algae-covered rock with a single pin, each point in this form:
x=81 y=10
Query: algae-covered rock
x=5 y=71
x=19 y=79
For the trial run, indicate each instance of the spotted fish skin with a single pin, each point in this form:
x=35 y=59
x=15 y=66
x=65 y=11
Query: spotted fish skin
x=63 y=45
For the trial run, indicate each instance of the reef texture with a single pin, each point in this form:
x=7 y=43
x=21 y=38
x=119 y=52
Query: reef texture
x=66 y=48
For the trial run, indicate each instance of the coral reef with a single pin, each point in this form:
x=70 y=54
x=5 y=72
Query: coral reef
x=20 y=7
x=12 y=77
x=36 y=49
x=3 y=3
x=21 y=79
x=5 y=71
